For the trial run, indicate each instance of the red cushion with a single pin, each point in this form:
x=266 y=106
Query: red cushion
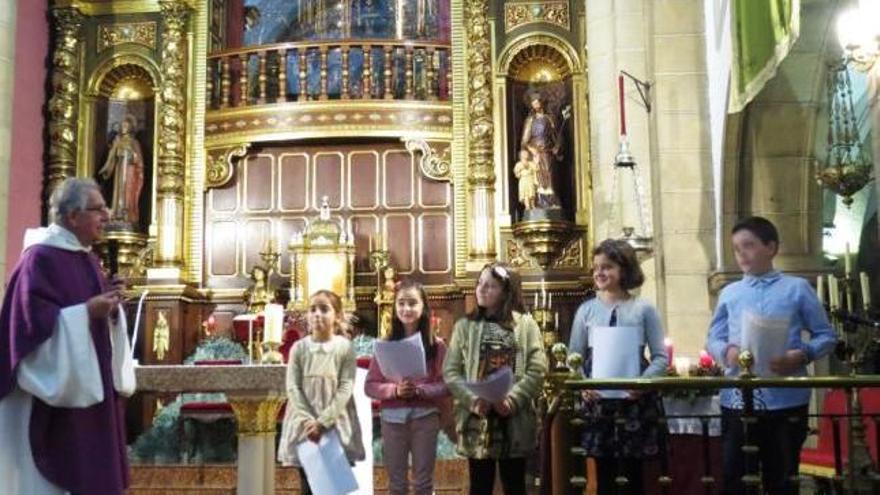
x=364 y=362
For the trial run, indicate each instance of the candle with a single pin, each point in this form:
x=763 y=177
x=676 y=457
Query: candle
x=833 y=294
x=682 y=365
x=274 y=323
x=865 y=284
x=669 y=354
x=820 y=289
x=550 y=301
x=371 y=243
x=543 y=294
x=556 y=321
x=535 y=304
x=622 y=105
x=847 y=261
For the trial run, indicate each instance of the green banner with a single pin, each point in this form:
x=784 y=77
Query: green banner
x=763 y=32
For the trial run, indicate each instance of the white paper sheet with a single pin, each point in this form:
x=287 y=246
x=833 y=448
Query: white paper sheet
x=326 y=466
x=363 y=470
x=615 y=355
x=765 y=338
x=495 y=387
x=399 y=359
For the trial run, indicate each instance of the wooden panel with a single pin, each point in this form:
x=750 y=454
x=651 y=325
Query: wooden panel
x=222 y=248
x=256 y=233
x=433 y=193
x=363 y=179
x=293 y=171
x=287 y=226
x=258 y=182
x=328 y=179
x=399 y=229
x=364 y=228
x=434 y=243
x=225 y=199
x=398 y=179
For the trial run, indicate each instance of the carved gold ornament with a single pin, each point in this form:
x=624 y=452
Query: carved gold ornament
x=553 y=12
x=172 y=96
x=141 y=33
x=220 y=164
x=161 y=335
x=479 y=70
x=65 y=95
x=433 y=165
x=256 y=416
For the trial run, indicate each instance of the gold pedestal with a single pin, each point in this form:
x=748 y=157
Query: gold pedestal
x=545 y=240
x=271 y=355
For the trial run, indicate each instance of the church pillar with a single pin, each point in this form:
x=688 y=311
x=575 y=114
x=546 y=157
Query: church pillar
x=172 y=121
x=65 y=93
x=481 y=167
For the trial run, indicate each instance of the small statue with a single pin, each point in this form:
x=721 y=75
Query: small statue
x=385 y=301
x=526 y=171
x=161 y=336
x=258 y=295
x=125 y=164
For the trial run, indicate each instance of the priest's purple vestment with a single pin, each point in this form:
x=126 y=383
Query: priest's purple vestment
x=81 y=450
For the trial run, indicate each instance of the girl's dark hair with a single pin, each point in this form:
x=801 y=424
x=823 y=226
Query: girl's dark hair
x=336 y=302
x=399 y=332
x=623 y=255
x=513 y=301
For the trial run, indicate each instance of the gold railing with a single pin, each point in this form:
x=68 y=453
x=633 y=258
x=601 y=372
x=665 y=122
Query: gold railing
x=306 y=71
x=857 y=474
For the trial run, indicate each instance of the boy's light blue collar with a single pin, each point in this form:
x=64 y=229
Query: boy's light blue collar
x=764 y=278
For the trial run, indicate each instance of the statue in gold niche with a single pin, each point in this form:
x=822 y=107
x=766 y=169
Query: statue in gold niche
x=385 y=301
x=125 y=165
x=542 y=138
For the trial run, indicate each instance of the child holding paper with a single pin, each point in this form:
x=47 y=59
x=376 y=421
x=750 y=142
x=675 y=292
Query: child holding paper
x=762 y=299
x=631 y=322
x=410 y=410
x=495 y=335
x=320 y=381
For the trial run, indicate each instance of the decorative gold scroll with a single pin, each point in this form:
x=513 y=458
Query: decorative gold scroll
x=550 y=12
x=220 y=164
x=433 y=165
x=141 y=33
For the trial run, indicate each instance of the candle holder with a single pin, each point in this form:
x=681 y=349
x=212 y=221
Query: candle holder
x=271 y=354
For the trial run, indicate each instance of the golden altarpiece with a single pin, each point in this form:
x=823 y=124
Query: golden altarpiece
x=454 y=132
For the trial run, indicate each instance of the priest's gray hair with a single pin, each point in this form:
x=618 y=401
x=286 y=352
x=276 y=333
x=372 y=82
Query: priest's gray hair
x=70 y=196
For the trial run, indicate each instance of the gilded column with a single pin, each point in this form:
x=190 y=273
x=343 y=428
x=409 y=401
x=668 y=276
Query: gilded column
x=481 y=168
x=172 y=142
x=65 y=91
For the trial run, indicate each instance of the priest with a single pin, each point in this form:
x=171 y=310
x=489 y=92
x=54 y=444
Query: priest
x=65 y=360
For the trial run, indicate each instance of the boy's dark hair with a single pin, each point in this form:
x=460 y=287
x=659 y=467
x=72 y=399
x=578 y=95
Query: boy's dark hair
x=513 y=301
x=397 y=330
x=623 y=255
x=759 y=226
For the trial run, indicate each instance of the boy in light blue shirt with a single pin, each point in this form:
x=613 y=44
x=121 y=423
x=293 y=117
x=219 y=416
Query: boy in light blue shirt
x=766 y=293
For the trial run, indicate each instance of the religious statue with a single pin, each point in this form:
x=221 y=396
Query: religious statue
x=258 y=295
x=385 y=301
x=526 y=171
x=125 y=164
x=543 y=139
x=161 y=336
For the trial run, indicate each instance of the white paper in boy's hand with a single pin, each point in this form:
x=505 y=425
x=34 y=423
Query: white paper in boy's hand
x=615 y=354
x=326 y=466
x=495 y=387
x=765 y=338
x=404 y=358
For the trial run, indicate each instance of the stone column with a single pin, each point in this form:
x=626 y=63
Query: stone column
x=255 y=418
x=64 y=93
x=172 y=140
x=7 y=71
x=481 y=169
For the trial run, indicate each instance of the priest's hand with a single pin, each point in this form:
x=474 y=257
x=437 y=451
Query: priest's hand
x=789 y=362
x=504 y=408
x=103 y=305
x=314 y=430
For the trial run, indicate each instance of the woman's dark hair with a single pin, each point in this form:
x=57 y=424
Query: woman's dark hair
x=513 y=301
x=424 y=326
x=623 y=255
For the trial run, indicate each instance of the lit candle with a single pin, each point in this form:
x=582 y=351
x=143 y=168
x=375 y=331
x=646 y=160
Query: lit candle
x=556 y=321
x=865 y=284
x=820 y=289
x=847 y=261
x=669 y=350
x=550 y=300
x=543 y=294
x=535 y=304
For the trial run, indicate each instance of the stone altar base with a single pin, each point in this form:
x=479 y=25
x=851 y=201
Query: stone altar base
x=220 y=479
